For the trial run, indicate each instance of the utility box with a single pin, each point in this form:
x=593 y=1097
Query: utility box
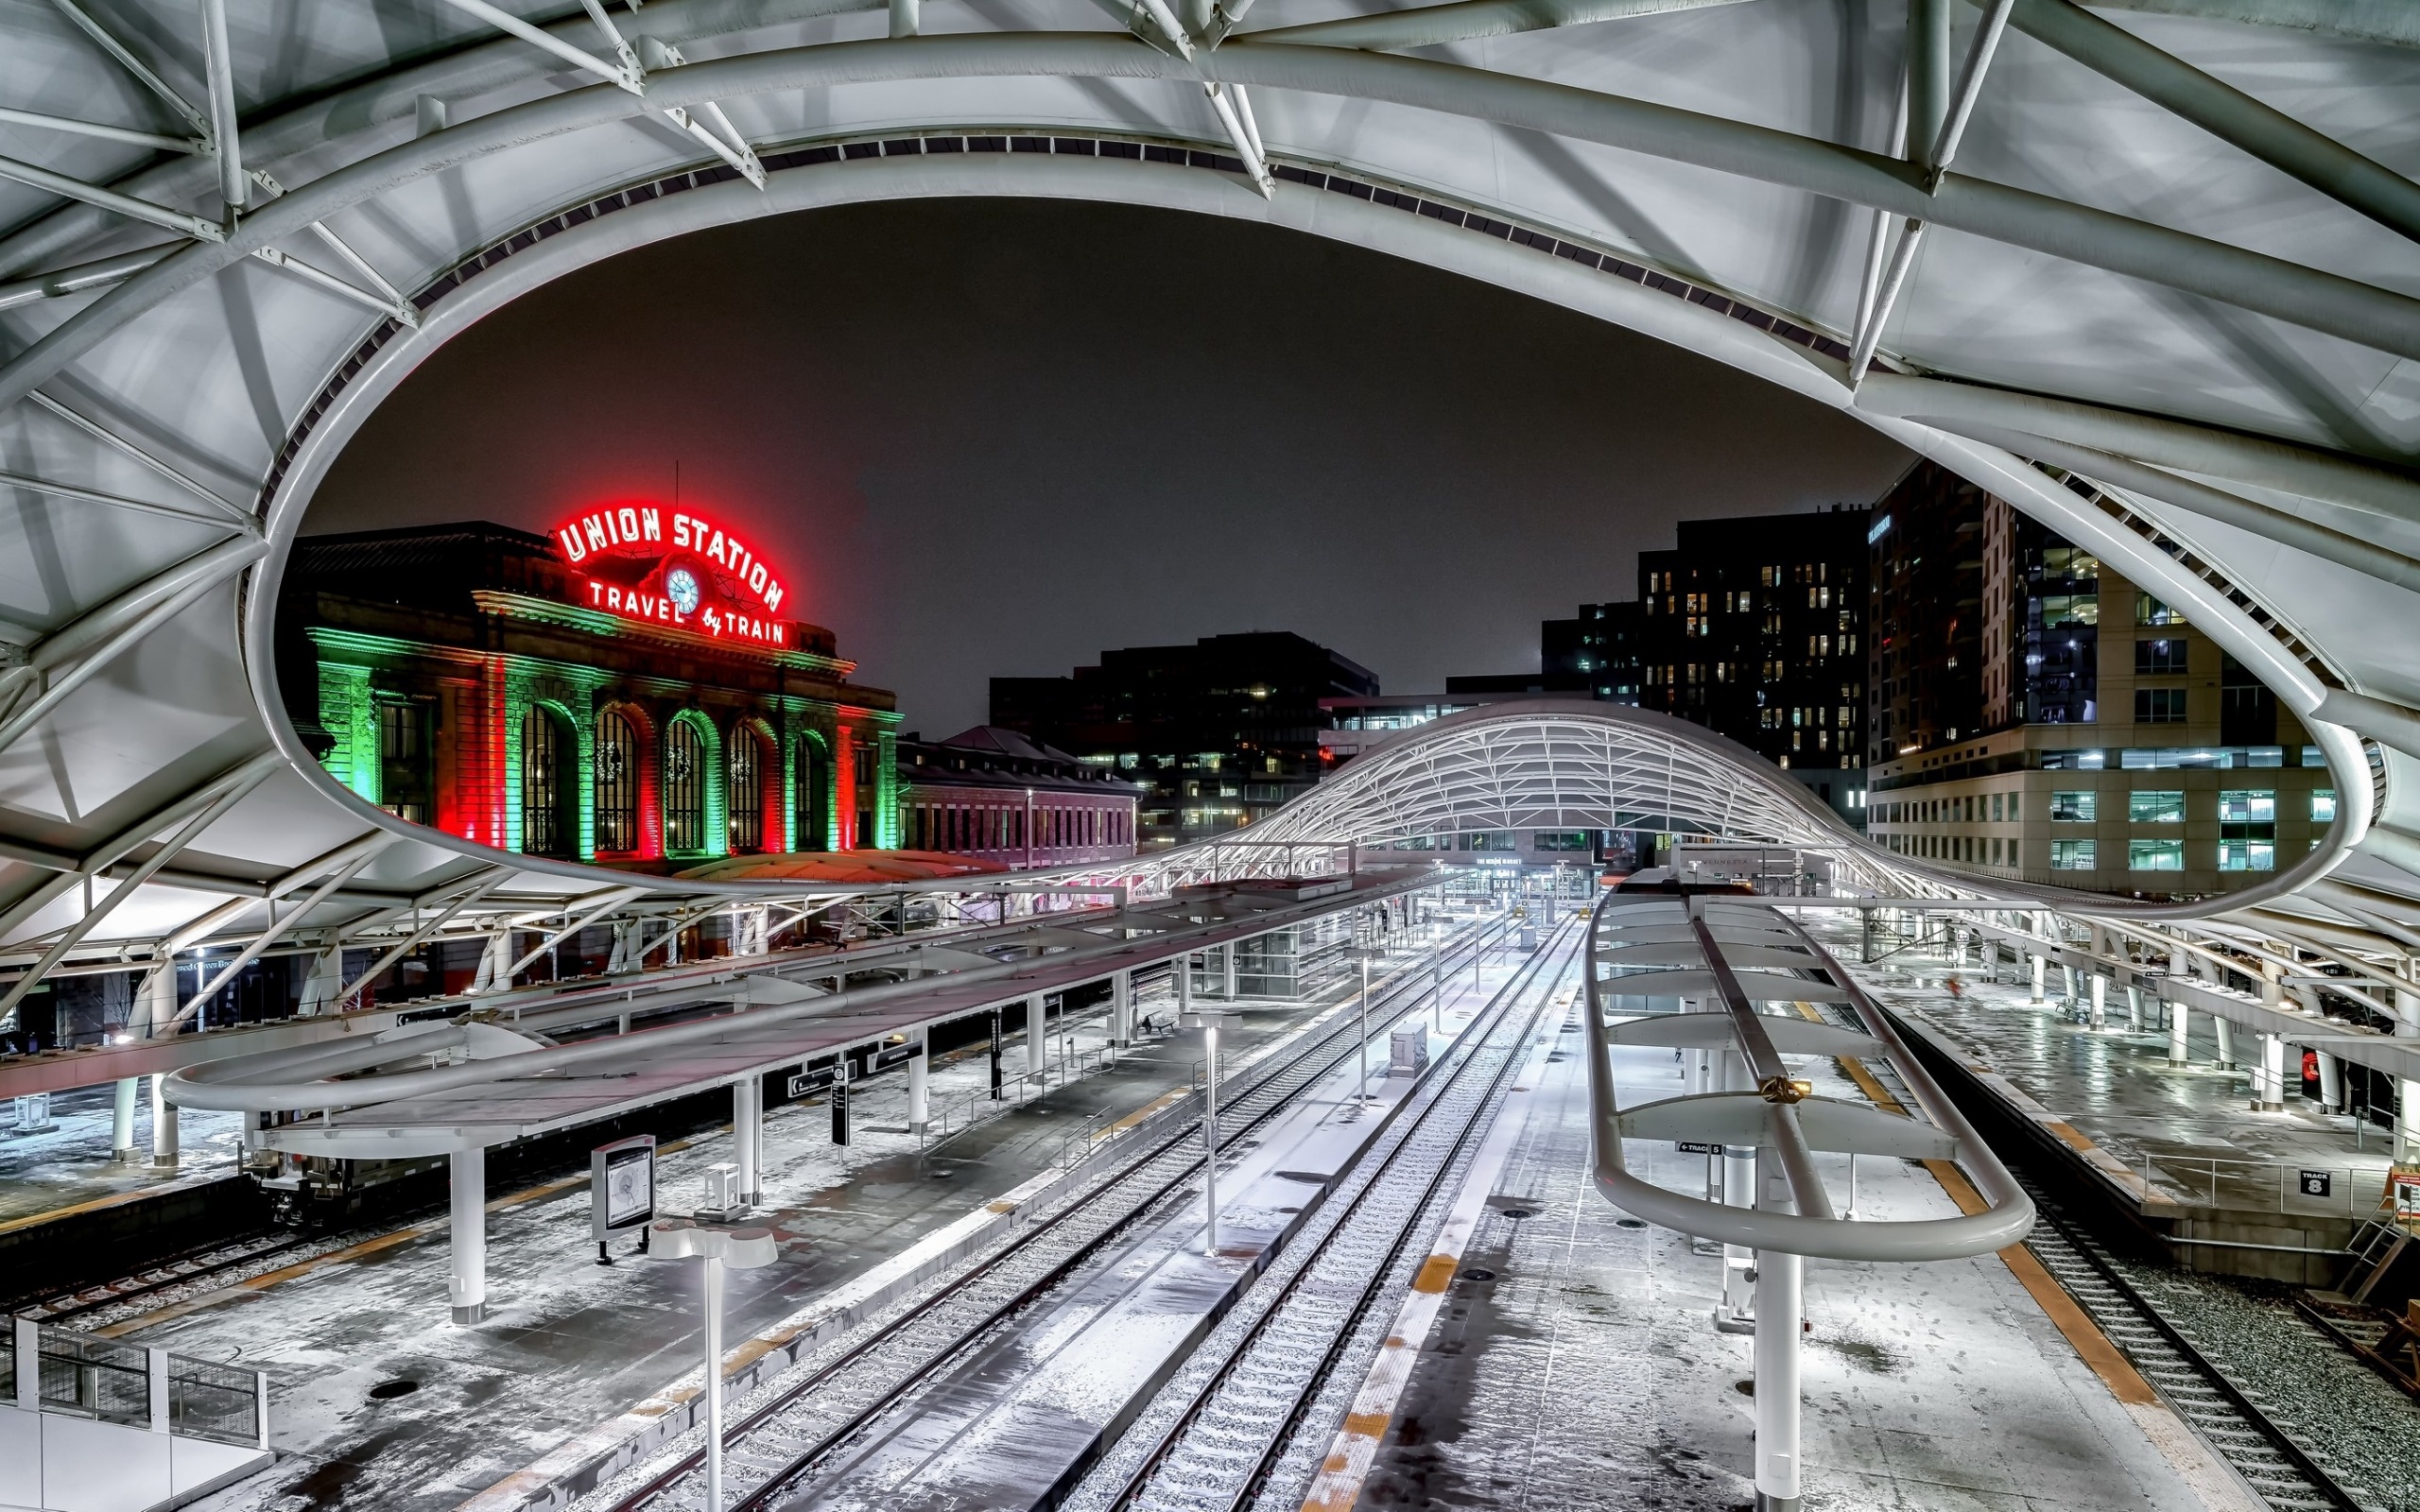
x=721 y=1202
x=1408 y=1053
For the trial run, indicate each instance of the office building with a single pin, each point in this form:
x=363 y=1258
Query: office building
x=2114 y=747
x=1221 y=733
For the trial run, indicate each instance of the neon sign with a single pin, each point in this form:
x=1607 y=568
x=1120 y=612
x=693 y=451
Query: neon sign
x=697 y=576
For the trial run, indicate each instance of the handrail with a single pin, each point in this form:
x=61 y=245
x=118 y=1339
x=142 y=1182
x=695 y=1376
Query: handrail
x=2007 y=1217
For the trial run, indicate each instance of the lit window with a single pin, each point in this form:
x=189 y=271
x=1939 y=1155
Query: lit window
x=2248 y=807
x=2155 y=855
x=2247 y=856
x=2074 y=808
x=2072 y=855
x=2150 y=610
x=2323 y=805
x=2156 y=808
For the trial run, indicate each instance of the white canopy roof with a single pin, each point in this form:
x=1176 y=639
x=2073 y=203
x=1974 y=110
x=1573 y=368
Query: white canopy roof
x=2165 y=298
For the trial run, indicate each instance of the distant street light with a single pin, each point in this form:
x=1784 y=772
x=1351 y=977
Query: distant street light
x=1209 y=1024
x=741 y=1249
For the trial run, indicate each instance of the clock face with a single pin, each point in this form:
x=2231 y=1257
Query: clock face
x=682 y=589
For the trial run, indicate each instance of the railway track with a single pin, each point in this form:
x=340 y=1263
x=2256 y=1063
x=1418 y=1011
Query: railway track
x=2261 y=1447
x=1221 y=1432
x=784 y=1437
x=236 y=1259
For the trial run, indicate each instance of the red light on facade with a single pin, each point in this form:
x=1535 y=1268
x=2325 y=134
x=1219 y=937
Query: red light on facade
x=671 y=567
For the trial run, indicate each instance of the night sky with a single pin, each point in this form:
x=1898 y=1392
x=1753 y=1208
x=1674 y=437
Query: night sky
x=993 y=438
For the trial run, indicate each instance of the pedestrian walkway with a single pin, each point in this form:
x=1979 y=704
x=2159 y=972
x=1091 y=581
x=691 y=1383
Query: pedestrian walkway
x=2182 y=1143
x=73 y=1164
x=376 y=1407
x=1575 y=1365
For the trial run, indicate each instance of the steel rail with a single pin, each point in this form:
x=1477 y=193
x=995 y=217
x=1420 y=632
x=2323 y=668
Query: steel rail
x=1140 y=1480
x=1410 y=988
x=2063 y=1234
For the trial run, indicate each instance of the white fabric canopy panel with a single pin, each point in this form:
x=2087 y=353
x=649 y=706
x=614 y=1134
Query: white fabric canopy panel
x=2146 y=270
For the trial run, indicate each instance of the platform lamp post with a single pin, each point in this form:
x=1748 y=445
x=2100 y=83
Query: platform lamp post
x=740 y=1248
x=1210 y=1024
x=1363 y=954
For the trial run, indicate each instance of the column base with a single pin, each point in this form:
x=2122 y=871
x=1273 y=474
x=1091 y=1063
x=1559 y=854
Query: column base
x=164 y=1162
x=2178 y=1060
x=465 y=1316
x=1778 y=1503
x=129 y=1156
x=2228 y=1065
x=2259 y=1106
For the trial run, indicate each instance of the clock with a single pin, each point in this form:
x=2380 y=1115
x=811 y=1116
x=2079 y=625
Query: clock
x=682 y=587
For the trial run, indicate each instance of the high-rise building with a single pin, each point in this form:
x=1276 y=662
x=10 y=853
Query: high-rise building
x=1925 y=618
x=1223 y=731
x=1754 y=627
x=1598 y=646
x=2113 y=745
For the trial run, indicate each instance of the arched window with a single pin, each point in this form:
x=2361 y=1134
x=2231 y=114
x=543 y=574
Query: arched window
x=813 y=796
x=617 y=784
x=549 y=815
x=744 y=790
x=685 y=788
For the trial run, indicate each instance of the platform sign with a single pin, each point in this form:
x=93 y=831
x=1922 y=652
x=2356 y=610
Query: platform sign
x=806 y=1083
x=1693 y=1148
x=621 y=1186
x=889 y=1056
x=2317 y=1183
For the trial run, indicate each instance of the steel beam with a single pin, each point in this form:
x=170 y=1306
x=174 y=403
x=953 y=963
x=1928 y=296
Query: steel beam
x=492 y=879
x=127 y=888
x=125 y=135
x=2359 y=313
x=115 y=849
x=627 y=78
x=143 y=210
x=1956 y=408
x=126 y=59
x=81 y=277
x=2395 y=22
x=619 y=898
x=1429 y=26
x=64 y=660
x=2356 y=552
x=125 y=448
x=2225 y=111
x=302 y=910
x=219 y=60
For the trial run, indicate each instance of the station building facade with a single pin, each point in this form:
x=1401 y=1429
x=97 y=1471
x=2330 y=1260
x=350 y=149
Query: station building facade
x=992 y=794
x=625 y=691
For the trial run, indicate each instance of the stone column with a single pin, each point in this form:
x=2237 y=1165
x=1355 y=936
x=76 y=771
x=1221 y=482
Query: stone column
x=2225 y=1031
x=122 y=1120
x=2180 y=1023
x=1035 y=1034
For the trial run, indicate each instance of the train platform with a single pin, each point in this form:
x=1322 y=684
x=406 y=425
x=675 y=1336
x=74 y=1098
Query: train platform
x=2180 y=1149
x=1572 y=1361
x=72 y=1165
x=375 y=1404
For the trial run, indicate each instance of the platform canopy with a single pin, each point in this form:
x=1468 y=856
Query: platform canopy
x=2144 y=269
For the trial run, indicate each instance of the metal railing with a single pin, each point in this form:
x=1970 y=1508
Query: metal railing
x=74 y=1374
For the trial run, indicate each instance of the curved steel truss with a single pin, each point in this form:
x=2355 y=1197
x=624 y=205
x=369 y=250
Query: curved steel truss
x=2144 y=269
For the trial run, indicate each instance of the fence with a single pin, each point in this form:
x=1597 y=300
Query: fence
x=2287 y=1188
x=82 y=1375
